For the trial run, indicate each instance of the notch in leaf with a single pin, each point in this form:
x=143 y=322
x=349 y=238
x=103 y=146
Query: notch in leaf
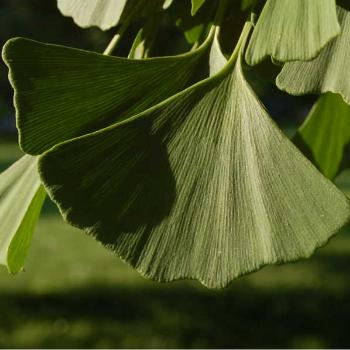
x=203 y=185
x=21 y=200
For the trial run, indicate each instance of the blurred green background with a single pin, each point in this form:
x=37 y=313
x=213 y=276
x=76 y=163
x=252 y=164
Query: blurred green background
x=74 y=293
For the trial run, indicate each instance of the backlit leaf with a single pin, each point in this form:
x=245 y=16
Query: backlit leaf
x=328 y=72
x=86 y=13
x=291 y=30
x=203 y=185
x=61 y=92
x=325 y=134
x=21 y=199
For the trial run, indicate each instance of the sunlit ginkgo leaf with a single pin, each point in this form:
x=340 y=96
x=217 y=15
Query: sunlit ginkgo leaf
x=21 y=199
x=325 y=134
x=61 y=92
x=203 y=185
x=86 y=13
x=328 y=72
x=291 y=30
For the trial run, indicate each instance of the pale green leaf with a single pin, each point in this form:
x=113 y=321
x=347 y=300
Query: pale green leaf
x=21 y=199
x=325 y=134
x=217 y=60
x=203 y=185
x=167 y=4
x=62 y=92
x=328 y=72
x=196 y=5
x=291 y=30
x=86 y=13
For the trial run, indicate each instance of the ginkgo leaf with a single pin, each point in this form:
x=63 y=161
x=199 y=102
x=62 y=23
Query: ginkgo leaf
x=293 y=30
x=196 y=5
x=101 y=13
x=108 y=13
x=325 y=134
x=21 y=199
x=203 y=185
x=61 y=92
x=328 y=72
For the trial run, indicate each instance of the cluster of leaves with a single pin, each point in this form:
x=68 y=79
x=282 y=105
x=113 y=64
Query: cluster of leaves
x=173 y=162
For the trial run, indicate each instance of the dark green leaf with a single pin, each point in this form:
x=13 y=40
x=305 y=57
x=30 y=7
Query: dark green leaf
x=203 y=185
x=62 y=92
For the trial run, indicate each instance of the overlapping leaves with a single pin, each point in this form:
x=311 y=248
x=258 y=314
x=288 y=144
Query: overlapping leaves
x=202 y=185
x=328 y=72
x=49 y=104
x=181 y=182
x=293 y=30
x=325 y=135
x=69 y=92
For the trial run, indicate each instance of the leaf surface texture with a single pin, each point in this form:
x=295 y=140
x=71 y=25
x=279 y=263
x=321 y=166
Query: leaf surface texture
x=86 y=13
x=289 y=30
x=328 y=72
x=203 y=185
x=61 y=92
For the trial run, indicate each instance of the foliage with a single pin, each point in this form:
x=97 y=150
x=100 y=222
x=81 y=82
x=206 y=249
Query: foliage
x=172 y=162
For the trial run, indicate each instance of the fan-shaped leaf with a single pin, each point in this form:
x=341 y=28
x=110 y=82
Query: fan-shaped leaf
x=293 y=30
x=203 y=185
x=325 y=134
x=21 y=199
x=102 y=13
x=62 y=92
x=328 y=72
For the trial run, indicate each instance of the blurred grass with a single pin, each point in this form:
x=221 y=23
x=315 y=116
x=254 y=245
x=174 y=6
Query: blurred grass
x=74 y=293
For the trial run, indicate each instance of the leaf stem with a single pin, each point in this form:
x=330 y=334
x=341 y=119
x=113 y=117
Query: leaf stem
x=112 y=44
